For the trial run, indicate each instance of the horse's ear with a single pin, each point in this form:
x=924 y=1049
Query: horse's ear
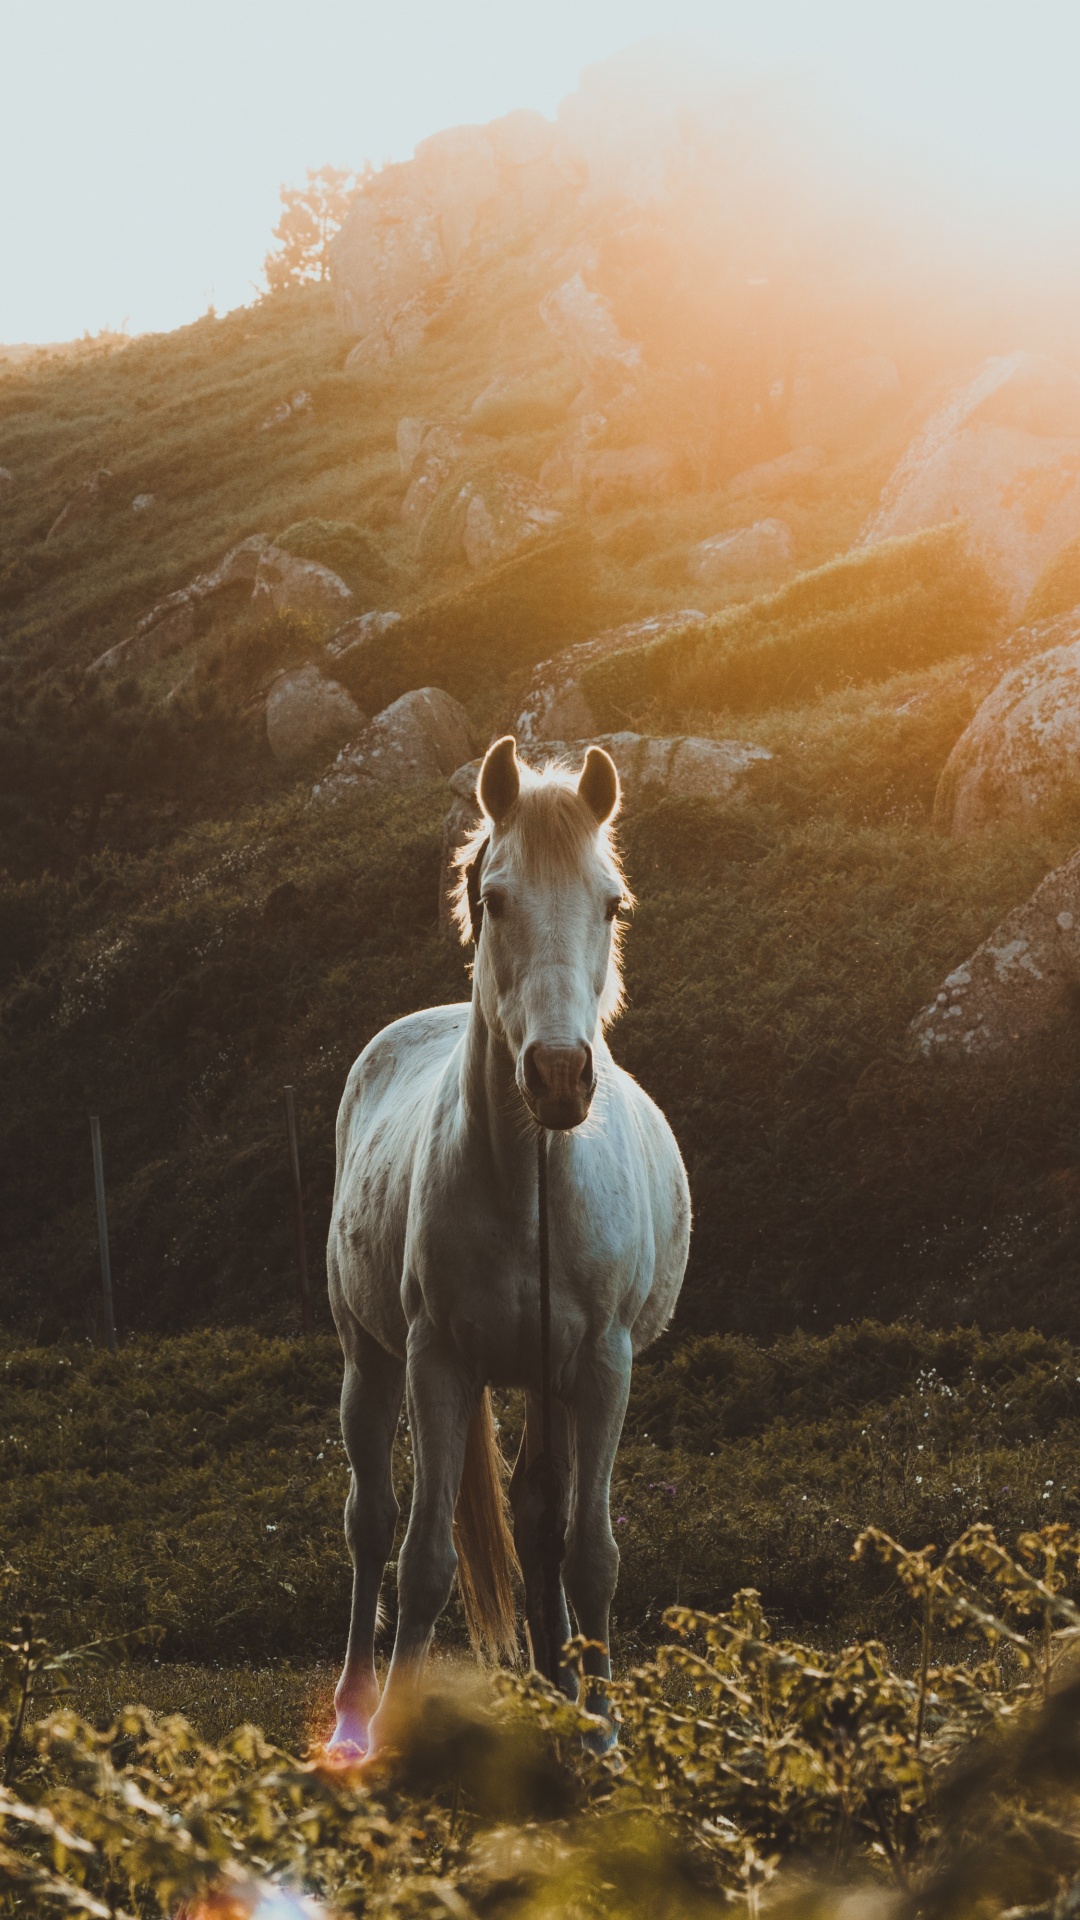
x=500 y=779
x=599 y=784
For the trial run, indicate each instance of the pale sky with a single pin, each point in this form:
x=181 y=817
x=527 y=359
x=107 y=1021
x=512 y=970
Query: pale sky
x=143 y=142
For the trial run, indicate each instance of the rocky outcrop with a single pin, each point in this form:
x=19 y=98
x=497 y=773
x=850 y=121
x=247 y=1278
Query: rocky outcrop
x=765 y=551
x=503 y=511
x=553 y=705
x=397 y=333
x=626 y=476
x=173 y=624
x=84 y=503
x=564 y=469
x=142 y=503
x=7 y=483
x=286 y=411
x=1004 y=457
x=1021 y=751
x=776 y=476
x=1020 y=987
x=412 y=225
x=357 y=633
x=284 y=584
x=430 y=463
x=585 y=329
x=834 y=407
x=421 y=737
x=304 y=712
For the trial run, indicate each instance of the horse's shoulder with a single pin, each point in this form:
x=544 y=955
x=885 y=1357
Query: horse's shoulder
x=409 y=1042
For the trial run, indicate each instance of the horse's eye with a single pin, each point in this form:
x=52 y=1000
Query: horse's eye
x=612 y=909
x=494 y=903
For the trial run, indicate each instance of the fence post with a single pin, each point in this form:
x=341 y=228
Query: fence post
x=103 y=1233
x=298 y=1208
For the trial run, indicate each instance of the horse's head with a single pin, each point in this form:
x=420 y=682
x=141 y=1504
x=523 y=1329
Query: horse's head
x=546 y=887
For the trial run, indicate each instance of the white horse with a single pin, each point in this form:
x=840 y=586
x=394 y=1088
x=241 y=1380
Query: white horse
x=433 y=1251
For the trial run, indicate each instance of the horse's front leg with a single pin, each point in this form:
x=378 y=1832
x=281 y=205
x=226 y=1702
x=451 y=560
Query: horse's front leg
x=591 y=1567
x=442 y=1396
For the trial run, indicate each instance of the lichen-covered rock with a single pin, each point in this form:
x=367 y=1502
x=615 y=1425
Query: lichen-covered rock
x=1020 y=986
x=553 y=705
x=288 y=585
x=503 y=511
x=776 y=476
x=83 y=503
x=765 y=551
x=142 y=503
x=440 y=451
x=304 y=712
x=1022 y=748
x=585 y=329
x=357 y=633
x=173 y=623
x=419 y=738
x=1004 y=457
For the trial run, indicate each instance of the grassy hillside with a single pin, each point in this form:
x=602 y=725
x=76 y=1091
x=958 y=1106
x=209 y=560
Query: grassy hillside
x=180 y=936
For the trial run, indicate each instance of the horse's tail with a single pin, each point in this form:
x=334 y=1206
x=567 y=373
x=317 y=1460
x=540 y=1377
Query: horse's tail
x=487 y=1561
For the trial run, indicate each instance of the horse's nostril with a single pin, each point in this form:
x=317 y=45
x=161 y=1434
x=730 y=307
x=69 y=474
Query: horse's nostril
x=588 y=1072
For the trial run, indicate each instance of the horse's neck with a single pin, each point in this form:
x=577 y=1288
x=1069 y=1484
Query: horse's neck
x=493 y=1111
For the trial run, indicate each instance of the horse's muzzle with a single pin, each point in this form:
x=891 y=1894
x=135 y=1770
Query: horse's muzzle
x=559 y=1083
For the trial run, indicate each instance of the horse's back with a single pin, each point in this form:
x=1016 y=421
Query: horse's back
x=387 y=1096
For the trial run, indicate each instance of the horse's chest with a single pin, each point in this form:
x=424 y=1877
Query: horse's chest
x=483 y=1296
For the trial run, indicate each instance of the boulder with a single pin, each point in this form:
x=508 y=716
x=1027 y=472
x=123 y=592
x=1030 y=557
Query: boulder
x=441 y=450
x=173 y=624
x=1003 y=456
x=564 y=469
x=288 y=585
x=553 y=705
x=1021 y=750
x=1021 y=986
x=356 y=633
x=83 y=503
x=304 y=711
x=142 y=503
x=764 y=551
x=411 y=433
x=625 y=476
x=421 y=737
x=776 y=476
x=833 y=407
x=503 y=511
x=585 y=329
x=398 y=332
x=7 y=483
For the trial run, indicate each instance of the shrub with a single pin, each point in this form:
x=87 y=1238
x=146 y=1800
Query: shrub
x=468 y=639
x=882 y=610
x=340 y=545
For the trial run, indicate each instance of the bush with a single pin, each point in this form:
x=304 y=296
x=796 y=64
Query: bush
x=892 y=608
x=340 y=545
x=468 y=639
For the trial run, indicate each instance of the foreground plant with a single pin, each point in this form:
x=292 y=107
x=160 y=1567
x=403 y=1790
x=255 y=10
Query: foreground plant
x=751 y=1769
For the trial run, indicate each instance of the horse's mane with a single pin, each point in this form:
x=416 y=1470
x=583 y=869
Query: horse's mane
x=552 y=829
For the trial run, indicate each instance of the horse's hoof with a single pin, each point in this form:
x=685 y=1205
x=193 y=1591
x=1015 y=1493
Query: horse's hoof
x=350 y=1740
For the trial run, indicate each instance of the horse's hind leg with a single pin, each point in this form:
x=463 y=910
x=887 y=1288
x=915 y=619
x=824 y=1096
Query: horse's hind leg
x=527 y=1504
x=370 y=1403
